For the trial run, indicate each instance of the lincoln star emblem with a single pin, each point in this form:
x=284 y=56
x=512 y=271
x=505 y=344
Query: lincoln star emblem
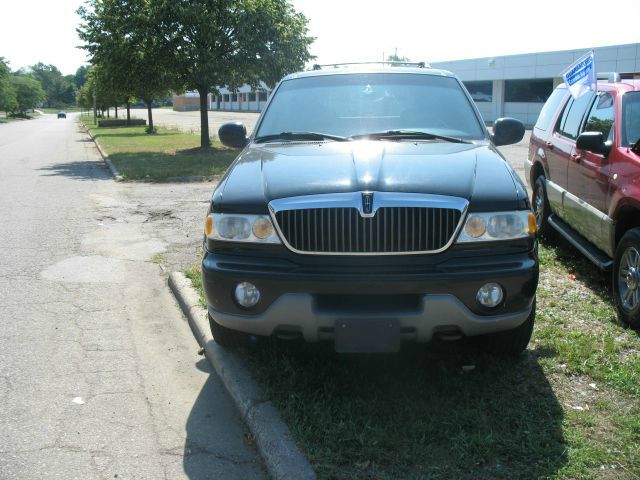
x=367 y=202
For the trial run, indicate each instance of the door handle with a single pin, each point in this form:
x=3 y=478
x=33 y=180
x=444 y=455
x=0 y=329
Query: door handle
x=576 y=157
x=549 y=145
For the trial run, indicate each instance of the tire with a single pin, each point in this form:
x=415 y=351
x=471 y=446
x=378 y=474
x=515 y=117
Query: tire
x=227 y=337
x=626 y=278
x=541 y=209
x=509 y=342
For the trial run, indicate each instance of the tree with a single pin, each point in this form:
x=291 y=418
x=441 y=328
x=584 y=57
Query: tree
x=60 y=90
x=123 y=40
x=80 y=76
x=396 y=58
x=28 y=92
x=211 y=43
x=8 y=101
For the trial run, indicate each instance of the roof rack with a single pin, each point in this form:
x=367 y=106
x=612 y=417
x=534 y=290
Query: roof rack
x=610 y=77
x=397 y=64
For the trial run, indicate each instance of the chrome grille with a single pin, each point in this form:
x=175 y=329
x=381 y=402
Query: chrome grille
x=343 y=230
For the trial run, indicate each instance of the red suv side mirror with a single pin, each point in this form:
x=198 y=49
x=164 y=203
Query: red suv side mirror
x=593 y=142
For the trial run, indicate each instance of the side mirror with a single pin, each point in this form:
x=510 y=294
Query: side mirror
x=507 y=131
x=593 y=142
x=233 y=135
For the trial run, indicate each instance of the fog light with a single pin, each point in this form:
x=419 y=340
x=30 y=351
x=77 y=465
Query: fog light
x=490 y=295
x=247 y=294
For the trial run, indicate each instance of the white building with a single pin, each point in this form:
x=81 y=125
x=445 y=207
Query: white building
x=243 y=99
x=518 y=85
x=508 y=86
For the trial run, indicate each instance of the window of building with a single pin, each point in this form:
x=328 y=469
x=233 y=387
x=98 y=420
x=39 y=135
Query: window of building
x=529 y=91
x=262 y=95
x=234 y=97
x=601 y=116
x=480 y=91
x=252 y=96
x=225 y=97
x=546 y=114
x=573 y=115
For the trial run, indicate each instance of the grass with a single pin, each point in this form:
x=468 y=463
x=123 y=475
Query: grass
x=567 y=409
x=161 y=156
x=7 y=119
x=62 y=109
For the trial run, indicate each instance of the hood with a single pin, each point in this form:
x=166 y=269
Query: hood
x=266 y=172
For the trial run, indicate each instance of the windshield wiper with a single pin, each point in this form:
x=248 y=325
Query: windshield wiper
x=300 y=136
x=409 y=134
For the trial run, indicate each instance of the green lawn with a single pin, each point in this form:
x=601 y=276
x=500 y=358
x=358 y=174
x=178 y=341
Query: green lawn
x=569 y=408
x=62 y=109
x=166 y=154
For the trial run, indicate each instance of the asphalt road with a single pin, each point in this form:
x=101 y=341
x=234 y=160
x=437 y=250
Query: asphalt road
x=99 y=373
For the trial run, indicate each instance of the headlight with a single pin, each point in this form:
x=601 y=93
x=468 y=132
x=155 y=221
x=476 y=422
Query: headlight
x=240 y=228
x=493 y=226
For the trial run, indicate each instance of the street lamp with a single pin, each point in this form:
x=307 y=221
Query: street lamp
x=95 y=111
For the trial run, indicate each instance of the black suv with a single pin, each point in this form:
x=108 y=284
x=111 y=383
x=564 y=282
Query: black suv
x=371 y=207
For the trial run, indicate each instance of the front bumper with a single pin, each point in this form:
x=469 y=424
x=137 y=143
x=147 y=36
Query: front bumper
x=425 y=301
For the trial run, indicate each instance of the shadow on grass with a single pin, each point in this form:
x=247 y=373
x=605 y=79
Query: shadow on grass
x=86 y=170
x=417 y=414
x=110 y=133
x=596 y=280
x=160 y=166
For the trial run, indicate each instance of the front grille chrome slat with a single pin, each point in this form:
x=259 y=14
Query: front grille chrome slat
x=392 y=230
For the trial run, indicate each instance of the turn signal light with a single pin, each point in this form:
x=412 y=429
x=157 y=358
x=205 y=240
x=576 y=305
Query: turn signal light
x=208 y=226
x=532 y=224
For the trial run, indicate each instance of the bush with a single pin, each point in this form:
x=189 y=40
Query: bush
x=116 y=122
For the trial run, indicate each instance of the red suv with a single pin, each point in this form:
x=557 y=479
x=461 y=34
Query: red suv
x=584 y=169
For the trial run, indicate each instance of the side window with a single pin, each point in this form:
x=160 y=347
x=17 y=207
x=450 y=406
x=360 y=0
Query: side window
x=571 y=122
x=550 y=108
x=601 y=116
x=565 y=113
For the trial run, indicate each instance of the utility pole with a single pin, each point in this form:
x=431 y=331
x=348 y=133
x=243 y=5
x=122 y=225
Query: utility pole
x=95 y=112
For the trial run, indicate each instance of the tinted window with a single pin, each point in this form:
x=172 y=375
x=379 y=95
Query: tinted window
x=601 y=116
x=536 y=91
x=358 y=103
x=630 y=118
x=548 y=111
x=571 y=122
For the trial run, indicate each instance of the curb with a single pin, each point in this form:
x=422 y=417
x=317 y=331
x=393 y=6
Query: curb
x=114 y=171
x=281 y=455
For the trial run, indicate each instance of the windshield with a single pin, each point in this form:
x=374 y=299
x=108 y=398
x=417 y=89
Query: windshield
x=356 y=104
x=630 y=118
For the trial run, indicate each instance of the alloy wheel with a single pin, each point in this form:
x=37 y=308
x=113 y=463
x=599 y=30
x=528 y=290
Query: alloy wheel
x=629 y=279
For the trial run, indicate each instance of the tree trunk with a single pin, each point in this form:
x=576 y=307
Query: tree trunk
x=204 y=118
x=116 y=111
x=150 y=116
x=108 y=110
x=128 y=112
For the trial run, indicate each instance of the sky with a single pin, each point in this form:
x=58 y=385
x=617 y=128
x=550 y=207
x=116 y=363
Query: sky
x=365 y=30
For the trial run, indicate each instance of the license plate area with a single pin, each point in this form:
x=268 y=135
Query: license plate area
x=367 y=335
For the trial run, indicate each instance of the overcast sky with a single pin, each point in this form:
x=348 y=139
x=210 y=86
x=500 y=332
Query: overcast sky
x=359 y=30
